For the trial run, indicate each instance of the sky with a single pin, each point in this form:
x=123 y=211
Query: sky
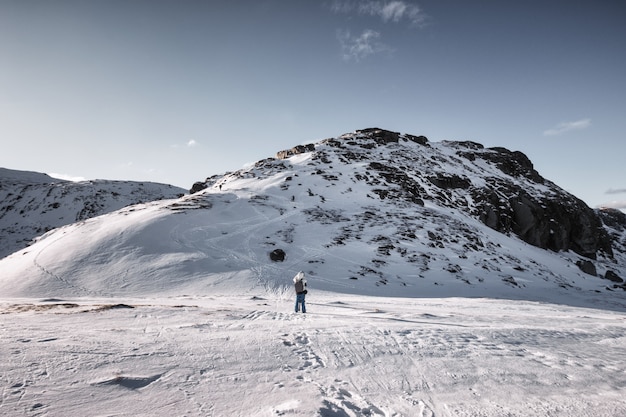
x=177 y=91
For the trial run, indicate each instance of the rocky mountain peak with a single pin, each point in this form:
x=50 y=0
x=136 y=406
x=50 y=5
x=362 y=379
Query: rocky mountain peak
x=498 y=186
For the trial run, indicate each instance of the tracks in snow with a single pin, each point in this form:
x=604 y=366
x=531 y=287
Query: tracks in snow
x=347 y=367
x=358 y=357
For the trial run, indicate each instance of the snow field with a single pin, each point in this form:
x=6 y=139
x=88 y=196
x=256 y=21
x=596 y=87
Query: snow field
x=349 y=356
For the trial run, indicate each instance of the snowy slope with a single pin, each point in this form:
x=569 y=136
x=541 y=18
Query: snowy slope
x=351 y=228
x=33 y=203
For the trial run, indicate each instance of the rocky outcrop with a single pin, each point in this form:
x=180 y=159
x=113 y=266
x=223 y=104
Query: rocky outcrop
x=295 y=151
x=277 y=255
x=513 y=163
x=447 y=181
x=400 y=185
x=612 y=276
x=587 y=267
x=198 y=186
x=559 y=224
x=613 y=218
x=554 y=220
x=383 y=137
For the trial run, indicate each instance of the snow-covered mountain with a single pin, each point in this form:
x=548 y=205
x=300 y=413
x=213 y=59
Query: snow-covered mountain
x=371 y=212
x=445 y=279
x=32 y=203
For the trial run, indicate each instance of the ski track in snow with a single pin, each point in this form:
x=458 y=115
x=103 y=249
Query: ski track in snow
x=349 y=356
x=208 y=239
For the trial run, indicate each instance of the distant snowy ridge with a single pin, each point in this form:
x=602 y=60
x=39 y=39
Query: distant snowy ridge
x=33 y=203
x=371 y=212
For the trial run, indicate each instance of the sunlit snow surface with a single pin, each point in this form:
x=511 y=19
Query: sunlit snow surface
x=348 y=356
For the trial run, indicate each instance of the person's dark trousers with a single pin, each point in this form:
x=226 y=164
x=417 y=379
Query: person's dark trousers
x=300 y=301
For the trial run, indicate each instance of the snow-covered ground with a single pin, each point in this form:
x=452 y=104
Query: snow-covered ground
x=251 y=355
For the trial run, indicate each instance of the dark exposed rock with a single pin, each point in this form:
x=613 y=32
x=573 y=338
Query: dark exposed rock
x=296 y=150
x=511 y=281
x=615 y=226
x=422 y=140
x=587 y=267
x=558 y=223
x=277 y=255
x=613 y=218
x=612 y=276
x=197 y=186
x=450 y=181
x=381 y=136
x=515 y=164
x=409 y=188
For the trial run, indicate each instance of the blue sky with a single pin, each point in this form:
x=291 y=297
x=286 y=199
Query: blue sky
x=176 y=91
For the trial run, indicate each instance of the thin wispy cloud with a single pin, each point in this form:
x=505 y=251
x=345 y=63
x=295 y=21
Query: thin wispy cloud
x=567 y=127
x=615 y=204
x=616 y=191
x=394 y=11
x=389 y=11
x=357 y=47
x=189 y=144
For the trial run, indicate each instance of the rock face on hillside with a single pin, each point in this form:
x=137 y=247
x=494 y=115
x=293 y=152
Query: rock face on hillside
x=614 y=222
x=557 y=221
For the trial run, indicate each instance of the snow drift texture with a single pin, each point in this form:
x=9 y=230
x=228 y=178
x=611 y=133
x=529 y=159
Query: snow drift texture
x=371 y=212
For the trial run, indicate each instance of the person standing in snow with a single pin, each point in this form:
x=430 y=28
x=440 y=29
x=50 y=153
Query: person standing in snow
x=300 y=286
